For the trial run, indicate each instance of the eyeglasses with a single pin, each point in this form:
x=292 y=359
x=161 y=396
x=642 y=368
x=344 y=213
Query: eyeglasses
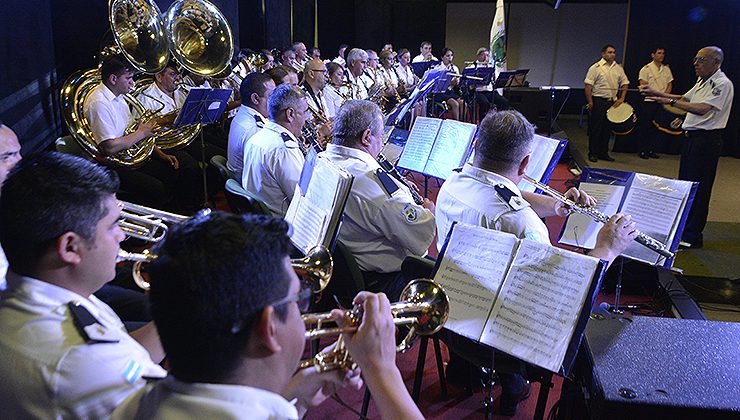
x=302 y=298
x=320 y=70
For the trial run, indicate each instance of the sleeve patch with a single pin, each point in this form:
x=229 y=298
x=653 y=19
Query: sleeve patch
x=132 y=372
x=410 y=213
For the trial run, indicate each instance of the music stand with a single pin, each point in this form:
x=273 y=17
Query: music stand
x=203 y=106
x=473 y=77
x=421 y=67
x=511 y=78
x=395 y=117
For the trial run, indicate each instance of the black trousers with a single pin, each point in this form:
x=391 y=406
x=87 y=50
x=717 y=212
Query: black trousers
x=391 y=284
x=598 y=128
x=699 y=157
x=486 y=100
x=649 y=136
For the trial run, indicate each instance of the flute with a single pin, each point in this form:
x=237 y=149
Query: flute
x=592 y=212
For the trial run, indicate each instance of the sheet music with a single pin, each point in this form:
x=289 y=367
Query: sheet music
x=543 y=151
x=308 y=222
x=581 y=230
x=450 y=148
x=473 y=267
x=419 y=144
x=324 y=185
x=655 y=204
x=539 y=305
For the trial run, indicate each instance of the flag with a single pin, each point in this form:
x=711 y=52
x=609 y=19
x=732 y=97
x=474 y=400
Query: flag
x=498 y=38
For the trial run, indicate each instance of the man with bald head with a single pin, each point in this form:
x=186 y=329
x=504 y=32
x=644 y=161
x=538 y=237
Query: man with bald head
x=10 y=154
x=708 y=106
x=315 y=77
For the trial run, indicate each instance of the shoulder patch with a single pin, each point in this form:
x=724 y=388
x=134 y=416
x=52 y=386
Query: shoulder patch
x=410 y=213
x=716 y=91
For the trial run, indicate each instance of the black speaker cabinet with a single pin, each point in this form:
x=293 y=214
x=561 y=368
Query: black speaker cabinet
x=661 y=368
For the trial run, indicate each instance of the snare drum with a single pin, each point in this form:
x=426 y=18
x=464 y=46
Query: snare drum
x=668 y=119
x=622 y=119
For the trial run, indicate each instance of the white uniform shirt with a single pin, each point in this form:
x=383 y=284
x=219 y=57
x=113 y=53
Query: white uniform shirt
x=405 y=74
x=48 y=370
x=656 y=77
x=606 y=79
x=340 y=61
x=332 y=99
x=389 y=75
x=272 y=166
x=315 y=99
x=243 y=127
x=359 y=90
x=379 y=229
x=3 y=269
x=420 y=59
x=169 y=104
x=173 y=399
x=716 y=91
x=469 y=197
x=107 y=114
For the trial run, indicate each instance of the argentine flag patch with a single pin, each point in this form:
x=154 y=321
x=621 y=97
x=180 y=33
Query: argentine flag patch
x=132 y=372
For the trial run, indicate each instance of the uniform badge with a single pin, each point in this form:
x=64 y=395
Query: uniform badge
x=410 y=213
x=132 y=371
x=716 y=91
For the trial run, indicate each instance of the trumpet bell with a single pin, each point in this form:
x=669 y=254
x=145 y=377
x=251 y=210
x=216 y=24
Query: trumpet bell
x=433 y=304
x=317 y=266
x=201 y=37
x=138 y=30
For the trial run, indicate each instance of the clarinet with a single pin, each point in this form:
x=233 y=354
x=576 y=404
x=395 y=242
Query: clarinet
x=641 y=238
x=387 y=166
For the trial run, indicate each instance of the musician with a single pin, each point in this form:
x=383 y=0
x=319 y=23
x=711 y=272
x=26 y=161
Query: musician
x=485 y=193
x=605 y=87
x=708 y=106
x=293 y=77
x=272 y=158
x=425 y=53
x=288 y=58
x=370 y=74
x=387 y=47
x=659 y=76
x=454 y=102
x=382 y=224
x=339 y=59
x=314 y=53
x=108 y=115
x=250 y=118
x=301 y=55
x=388 y=75
x=314 y=82
x=279 y=75
x=486 y=97
x=65 y=353
x=405 y=73
x=356 y=64
x=238 y=358
x=335 y=91
x=270 y=60
x=10 y=154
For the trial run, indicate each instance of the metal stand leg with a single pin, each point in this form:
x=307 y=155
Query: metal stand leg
x=545 y=385
x=365 y=404
x=420 y=362
x=204 y=167
x=440 y=367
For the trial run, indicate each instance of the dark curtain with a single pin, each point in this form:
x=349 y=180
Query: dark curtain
x=303 y=21
x=682 y=27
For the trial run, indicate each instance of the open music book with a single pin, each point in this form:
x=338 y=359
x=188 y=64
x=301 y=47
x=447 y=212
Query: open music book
x=546 y=152
x=658 y=205
x=435 y=147
x=525 y=298
x=318 y=203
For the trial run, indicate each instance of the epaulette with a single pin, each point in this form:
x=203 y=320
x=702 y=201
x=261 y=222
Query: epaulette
x=510 y=198
x=91 y=330
x=386 y=181
x=259 y=121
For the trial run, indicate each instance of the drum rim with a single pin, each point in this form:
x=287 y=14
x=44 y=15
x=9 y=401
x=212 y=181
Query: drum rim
x=626 y=117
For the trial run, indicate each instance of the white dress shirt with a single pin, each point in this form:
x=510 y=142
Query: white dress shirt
x=47 y=367
x=272 y=166
x=332 y=99
x=107 y=114
x=420 y=59
x=405 y=74
x=470 y=197
x=170 y=104
x=244 y=125
x=380 y=229
x=173 y=399
x=656 y=77
x=606 y=79
x=389 y=75
x=3 y=269
x=716 y=91
x=359 y=90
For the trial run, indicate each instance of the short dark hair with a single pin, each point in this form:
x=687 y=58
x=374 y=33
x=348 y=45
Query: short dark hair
x=253 y=83
x=114 y=65
x=352 y=119
x=656 y=50
x=213 y=276
x=607 y=46
x=332 y=67
x=445 y=50
x=403 y=51
x=46 y=196
x=504 y=138
x=425 y=43
x=277 y=74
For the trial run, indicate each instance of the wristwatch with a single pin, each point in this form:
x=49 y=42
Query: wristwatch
x=672 y=102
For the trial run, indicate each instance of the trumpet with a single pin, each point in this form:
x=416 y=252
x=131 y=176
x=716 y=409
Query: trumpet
x=424 y=306
x=641 y=238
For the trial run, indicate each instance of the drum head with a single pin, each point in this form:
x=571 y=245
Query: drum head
x=620 y=114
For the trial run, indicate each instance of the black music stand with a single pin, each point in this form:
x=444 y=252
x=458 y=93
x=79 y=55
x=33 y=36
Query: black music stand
x=203 y=106
x=421 y=67
x=511 y=78
x=473 y=77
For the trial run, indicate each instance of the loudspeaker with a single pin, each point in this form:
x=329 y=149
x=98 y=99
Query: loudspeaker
x=660 y=368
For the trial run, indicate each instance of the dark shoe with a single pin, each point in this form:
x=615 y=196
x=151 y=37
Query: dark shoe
x=592 y=158
x=644 y=155
x=654 y=155
x=607 y=158
x=510 y=402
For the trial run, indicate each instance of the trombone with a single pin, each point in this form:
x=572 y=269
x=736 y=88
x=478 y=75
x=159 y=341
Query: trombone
x=424 y=307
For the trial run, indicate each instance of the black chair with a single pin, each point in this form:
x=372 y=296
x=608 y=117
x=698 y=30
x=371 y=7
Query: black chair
x=242 y=201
